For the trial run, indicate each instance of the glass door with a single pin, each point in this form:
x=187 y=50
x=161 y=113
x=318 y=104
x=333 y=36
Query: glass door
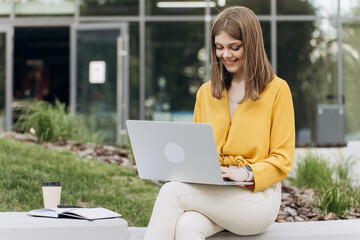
x=6 y=33
x=99 y=77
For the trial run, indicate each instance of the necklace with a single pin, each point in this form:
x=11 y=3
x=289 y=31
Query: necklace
x=237 y=102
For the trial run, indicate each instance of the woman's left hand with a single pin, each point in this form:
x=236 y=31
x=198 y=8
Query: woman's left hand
x=234 y=174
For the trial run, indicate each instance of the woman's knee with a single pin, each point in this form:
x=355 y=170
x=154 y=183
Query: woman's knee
x=190 y=226
x=172 y=188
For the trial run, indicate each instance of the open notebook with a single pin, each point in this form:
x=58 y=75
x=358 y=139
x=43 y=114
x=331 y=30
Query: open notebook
x=81 y=213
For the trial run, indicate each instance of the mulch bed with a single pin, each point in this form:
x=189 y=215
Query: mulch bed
x=296 y=204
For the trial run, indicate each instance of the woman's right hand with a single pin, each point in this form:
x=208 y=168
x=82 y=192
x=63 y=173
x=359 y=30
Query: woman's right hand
x=234 y=174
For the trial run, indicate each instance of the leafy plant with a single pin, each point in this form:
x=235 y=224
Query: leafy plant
x=312 y=172
x=53 y=123
x=338 y=198
x=342 y=170
x=331 y=185
x=357 y=197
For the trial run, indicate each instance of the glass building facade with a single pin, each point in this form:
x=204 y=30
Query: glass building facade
x=113 y=60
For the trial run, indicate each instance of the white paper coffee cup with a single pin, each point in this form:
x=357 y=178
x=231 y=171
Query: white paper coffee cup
x=51 y=194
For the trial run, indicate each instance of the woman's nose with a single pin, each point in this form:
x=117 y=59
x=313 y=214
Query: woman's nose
x=227 y=54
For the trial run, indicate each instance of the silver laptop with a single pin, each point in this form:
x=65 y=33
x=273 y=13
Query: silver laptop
x=176 y=151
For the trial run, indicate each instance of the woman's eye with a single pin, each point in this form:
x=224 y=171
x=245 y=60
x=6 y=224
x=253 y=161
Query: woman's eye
x=218 y=47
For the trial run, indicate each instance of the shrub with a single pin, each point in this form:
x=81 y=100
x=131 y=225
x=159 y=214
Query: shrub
x=357 y=197
x=338 y=198
x=53 y=123
x=331 y=185
x=312 y=172
x=342 y=170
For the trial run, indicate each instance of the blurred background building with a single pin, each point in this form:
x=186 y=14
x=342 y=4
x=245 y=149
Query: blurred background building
x=112 y=60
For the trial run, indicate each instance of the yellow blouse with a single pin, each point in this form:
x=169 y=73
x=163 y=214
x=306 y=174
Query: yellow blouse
x=261 y=133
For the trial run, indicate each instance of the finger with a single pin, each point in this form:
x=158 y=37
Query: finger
x=224 y=169
x=226 y=177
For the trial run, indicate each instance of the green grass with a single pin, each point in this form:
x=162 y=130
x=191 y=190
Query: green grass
x=332 y=186
x=88 y=183
x=342 y=170
x=338 y=198
x=312 y=172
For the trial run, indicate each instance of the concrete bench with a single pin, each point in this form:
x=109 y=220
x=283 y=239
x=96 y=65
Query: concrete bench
x=322 y=230
x=20 y=226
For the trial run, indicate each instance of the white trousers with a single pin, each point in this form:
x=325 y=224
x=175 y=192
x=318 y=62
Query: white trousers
x=185 y=211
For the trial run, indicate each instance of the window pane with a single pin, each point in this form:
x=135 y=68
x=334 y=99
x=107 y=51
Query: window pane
x=175 y=69
x=175 y=7
x=265 y=26
x=97 y=101
x=5 y=7
x=134 y=72
x=109 y=7
x=44 y=7
x=2 y=80
x=307 y=60
x=307 y=7
x=41 y=66
x=350 y=8
x=351 y=73
x=259 y=7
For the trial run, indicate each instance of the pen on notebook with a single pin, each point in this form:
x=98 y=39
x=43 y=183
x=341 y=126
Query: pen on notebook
x=68 y=206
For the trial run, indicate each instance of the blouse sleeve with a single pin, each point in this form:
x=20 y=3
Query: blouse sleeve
x=278 y=164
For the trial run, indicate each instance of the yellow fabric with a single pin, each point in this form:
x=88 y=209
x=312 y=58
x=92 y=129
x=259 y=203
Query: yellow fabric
x=261 y=133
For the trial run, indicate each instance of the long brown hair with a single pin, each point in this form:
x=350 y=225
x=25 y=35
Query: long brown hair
x=242 y=24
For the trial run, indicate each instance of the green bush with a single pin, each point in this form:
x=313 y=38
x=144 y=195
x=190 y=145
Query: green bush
x=52 y=123
x=332 y=187
x=357 y=197
x=312 y=172
x=342 y=170
x=337 y=198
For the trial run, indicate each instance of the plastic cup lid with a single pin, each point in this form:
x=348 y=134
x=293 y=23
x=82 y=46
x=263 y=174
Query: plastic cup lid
x=51 y=184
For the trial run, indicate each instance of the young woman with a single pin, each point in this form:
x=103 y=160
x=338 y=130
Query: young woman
x=251 y=112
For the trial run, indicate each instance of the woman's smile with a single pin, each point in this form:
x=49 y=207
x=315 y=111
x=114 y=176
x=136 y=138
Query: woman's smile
x=230 y=62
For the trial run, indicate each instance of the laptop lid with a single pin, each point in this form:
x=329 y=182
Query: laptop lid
x=175 y=151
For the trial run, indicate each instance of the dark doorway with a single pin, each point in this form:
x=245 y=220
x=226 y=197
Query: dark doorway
x=41 y=65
